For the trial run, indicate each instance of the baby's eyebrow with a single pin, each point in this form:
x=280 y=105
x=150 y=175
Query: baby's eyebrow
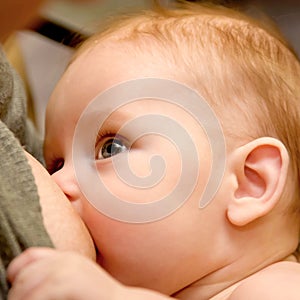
x=115 y=120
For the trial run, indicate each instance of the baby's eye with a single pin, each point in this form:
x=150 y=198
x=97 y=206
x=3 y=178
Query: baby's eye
x=110 y=146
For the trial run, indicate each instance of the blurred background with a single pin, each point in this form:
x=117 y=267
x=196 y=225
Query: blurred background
x=41 y=53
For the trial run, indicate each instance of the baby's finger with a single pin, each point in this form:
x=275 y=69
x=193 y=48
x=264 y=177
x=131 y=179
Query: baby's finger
x=28 y=256
x=40 y=289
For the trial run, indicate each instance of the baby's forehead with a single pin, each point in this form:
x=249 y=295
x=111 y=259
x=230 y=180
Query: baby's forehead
x=208 y=51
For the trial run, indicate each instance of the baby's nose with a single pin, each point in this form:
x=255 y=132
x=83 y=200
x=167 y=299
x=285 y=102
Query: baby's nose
x=66 y=180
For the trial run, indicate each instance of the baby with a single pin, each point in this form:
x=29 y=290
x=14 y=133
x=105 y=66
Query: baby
x=231 y=229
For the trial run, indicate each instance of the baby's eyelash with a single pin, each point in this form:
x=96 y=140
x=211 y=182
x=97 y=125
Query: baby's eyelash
x=103 y=134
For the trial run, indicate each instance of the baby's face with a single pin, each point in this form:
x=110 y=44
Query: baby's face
x=143 y=254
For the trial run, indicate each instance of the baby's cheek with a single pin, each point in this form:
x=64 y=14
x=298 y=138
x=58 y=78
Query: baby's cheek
x=141 y=176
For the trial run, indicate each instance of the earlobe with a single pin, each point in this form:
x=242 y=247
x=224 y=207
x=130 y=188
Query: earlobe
x=260 y=169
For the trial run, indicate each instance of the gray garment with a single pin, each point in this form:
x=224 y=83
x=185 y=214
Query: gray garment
x=21 y=224
x=13 y=109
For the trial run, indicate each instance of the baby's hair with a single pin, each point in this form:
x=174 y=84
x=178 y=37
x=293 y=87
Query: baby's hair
x=244 y=68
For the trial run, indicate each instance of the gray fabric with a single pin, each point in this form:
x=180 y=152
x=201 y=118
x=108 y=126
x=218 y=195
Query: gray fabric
x=13 y=109
x=21 y=224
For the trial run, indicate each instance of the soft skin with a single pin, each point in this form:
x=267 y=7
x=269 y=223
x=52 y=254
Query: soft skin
x=66 y=229
x=193 y=253
x=136 y=254
x=253 y=181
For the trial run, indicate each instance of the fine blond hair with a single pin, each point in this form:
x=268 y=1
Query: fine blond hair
x=244 y=68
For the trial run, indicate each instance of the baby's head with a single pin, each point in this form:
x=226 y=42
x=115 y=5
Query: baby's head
x=250 y=78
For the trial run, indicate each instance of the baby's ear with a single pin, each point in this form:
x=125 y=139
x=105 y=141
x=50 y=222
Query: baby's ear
x=260 y=169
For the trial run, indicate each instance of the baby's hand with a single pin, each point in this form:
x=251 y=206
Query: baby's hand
x=44 y=274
